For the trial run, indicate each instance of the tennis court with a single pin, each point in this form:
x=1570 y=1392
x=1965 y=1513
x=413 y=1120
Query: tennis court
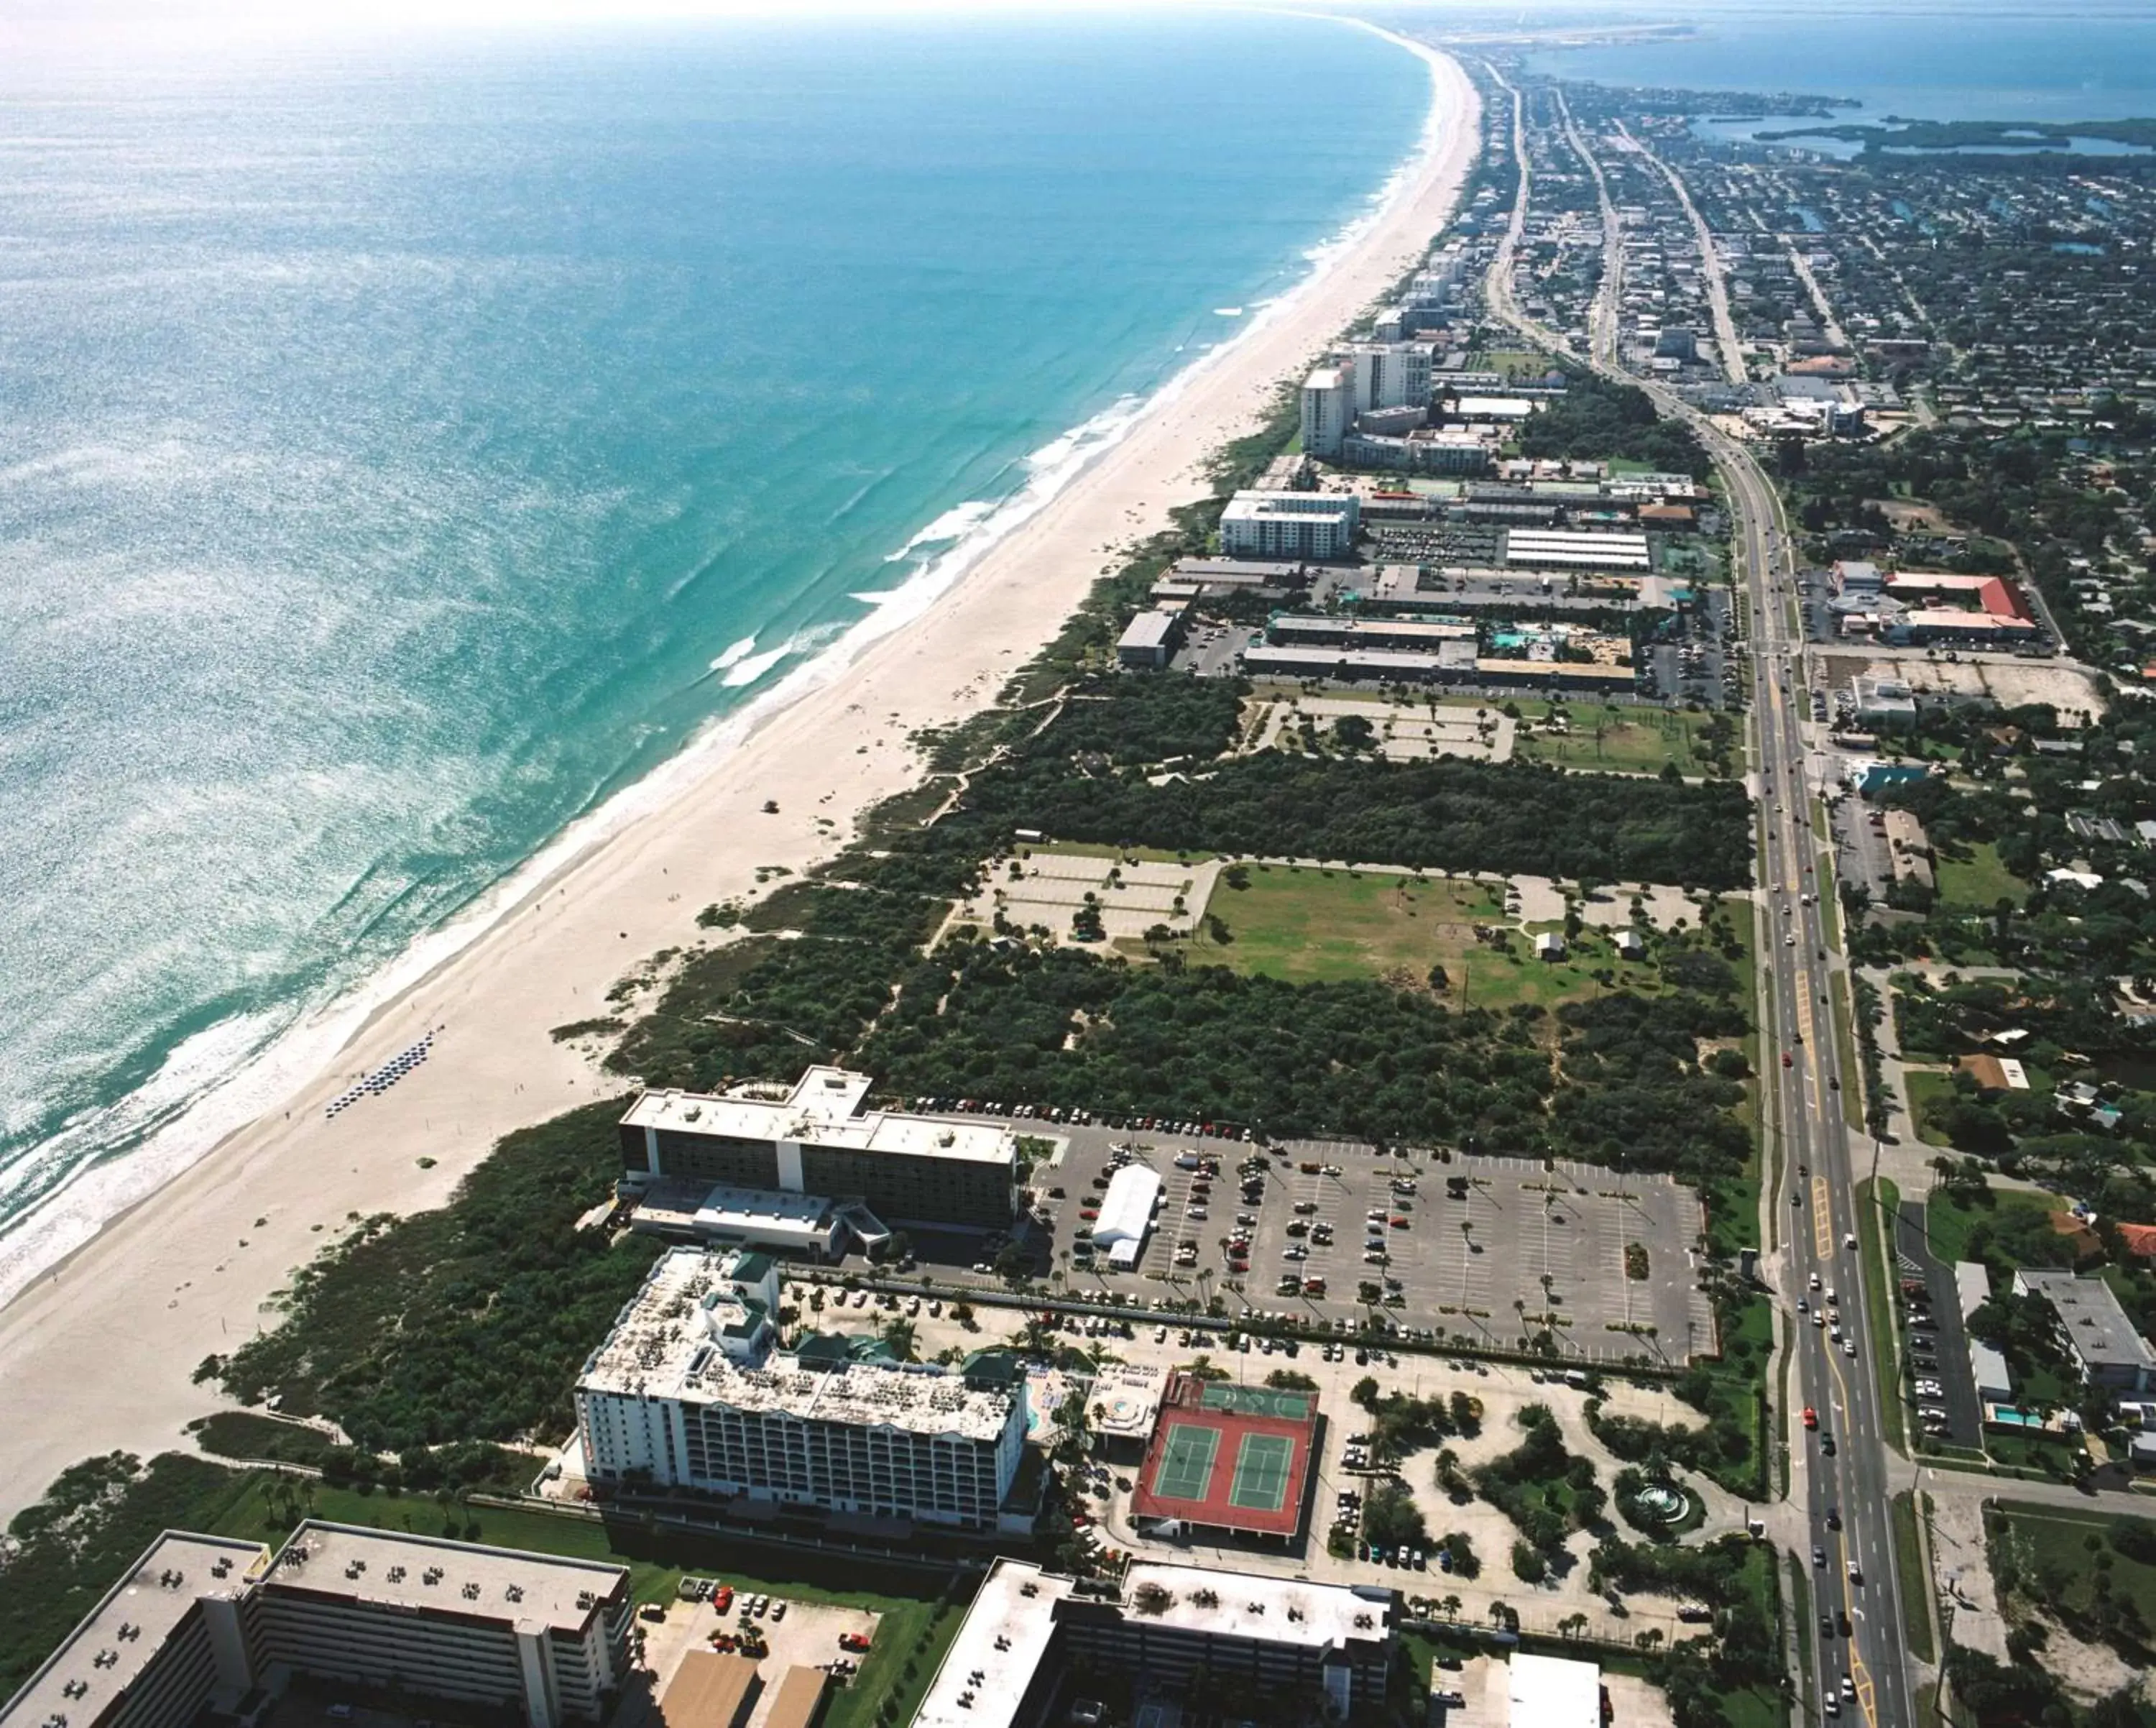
x=1229 y=1457
x=1185 y=1472
x=1261 y=1473
x=1256 y=1401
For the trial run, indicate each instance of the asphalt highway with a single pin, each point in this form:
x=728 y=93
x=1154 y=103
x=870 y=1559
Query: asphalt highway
x=1840 y=1474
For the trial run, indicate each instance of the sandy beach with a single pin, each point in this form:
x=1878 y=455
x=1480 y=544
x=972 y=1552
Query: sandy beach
x=97 y=1353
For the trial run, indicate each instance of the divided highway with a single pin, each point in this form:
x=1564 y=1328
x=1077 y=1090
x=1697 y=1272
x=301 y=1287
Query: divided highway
x=1839 y=1468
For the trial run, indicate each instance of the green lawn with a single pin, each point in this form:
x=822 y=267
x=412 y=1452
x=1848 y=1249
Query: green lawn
x=1948 y=1219
x=1915 y=1580
x=1925 y=1086
x=1311 y=925
x=1874 y=1207
x=2049 y=1548
x=1845 y=1051
x=1625 y=740
x=1979 y=880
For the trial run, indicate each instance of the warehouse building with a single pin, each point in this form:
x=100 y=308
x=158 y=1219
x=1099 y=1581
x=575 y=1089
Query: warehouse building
x=1573 y=549
x=1031 y=1636
x=204 y=1623
x=689 y=1389
x=818 y=1137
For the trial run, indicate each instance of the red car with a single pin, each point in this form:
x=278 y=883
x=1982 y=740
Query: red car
x=1090 y=1213
x=1787 y=1061
x=852 y=1641
x=1811 y=1417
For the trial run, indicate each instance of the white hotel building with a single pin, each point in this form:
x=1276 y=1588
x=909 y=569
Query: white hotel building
x=1290 y=525
x=690 y=1390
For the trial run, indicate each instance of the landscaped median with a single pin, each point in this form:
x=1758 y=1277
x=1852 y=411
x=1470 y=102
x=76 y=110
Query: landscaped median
x=1916 y=1578
x=1879 y=1300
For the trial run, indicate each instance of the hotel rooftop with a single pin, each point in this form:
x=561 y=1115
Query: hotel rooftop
x=410 y=1572
x=664 y=1345
x=108 y=1653
x=1012 y=1624
x=826 y=1107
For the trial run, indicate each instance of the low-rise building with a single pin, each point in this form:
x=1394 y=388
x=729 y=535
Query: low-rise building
x=2110 y=1353
x=690 y=1390
x=818 y=1137
x=1570 y=549
x=1149 y=640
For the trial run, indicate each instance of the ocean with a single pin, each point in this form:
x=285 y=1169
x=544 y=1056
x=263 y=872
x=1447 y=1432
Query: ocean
x=1976 y=61
x=407 y=446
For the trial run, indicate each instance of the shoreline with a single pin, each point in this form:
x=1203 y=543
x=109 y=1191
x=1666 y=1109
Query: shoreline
x=155 y=1288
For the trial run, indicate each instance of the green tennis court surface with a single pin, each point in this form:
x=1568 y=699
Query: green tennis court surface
x=1255 y=1401
x=1261 y=1466
x=1186 y=1462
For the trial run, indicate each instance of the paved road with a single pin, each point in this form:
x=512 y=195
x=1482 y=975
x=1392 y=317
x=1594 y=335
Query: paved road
x=1844 y=1492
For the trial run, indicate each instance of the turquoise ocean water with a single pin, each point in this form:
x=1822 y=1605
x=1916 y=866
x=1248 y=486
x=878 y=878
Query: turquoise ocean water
x=405 y=448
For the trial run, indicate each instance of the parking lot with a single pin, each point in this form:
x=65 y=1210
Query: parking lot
x=1487 y=1250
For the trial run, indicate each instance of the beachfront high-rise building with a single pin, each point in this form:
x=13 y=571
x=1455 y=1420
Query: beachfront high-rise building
x=689 y=1391
x=818 y=1137
x=1328 y=411
x=1290 y=525
x=199 y=1622
x=1389 y=374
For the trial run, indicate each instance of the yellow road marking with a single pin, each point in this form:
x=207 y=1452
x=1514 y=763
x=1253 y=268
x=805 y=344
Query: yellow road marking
x=1822 y=1222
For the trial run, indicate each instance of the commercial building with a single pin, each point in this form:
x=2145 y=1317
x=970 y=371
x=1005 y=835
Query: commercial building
x=1126 y=1210
x=1568 y=549
x=201 y=1623
x=1454 y=663
x=818 y=1137
x=2110 y=1353
x=1031 y=1635
x=1125 y=1398
x=1554 y=1692
x=802 y=1694
x=802 y=1227
x=1149 y=640
x=1317 y=630
x=1328 y=411
x=1290 y=525
x=1422 y=451
x=690 y=1390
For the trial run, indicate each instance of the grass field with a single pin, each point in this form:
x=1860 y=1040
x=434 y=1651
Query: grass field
x=1923 y=1086
x=1844 y=1052
x=1875 y=1205
x=1916 y=1582
x=1949 y=1220
x=1610 y=739
x=1979 y=880
x=1310 y=926
x=2051 y=1551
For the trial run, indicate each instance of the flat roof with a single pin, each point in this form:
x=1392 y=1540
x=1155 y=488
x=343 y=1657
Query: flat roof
x=710 y=1690
x=825 y=1109
x=1411 y=629
x=116 y=1641
x=1342 y=662
x=405 y=1571
x=1004 y=1638
x=1127 y=1395
x=2089 y=1311
x=1250 y=1605
x=662 y=1346
x=1554 y=1692
x=1147 y=630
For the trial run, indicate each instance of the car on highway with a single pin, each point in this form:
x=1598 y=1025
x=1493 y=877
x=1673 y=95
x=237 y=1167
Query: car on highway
x=1818 y=1554
x=1811 y=1417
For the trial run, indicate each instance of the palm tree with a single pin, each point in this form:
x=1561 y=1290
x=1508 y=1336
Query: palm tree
x=899 y=1335
x=1448 y=1606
